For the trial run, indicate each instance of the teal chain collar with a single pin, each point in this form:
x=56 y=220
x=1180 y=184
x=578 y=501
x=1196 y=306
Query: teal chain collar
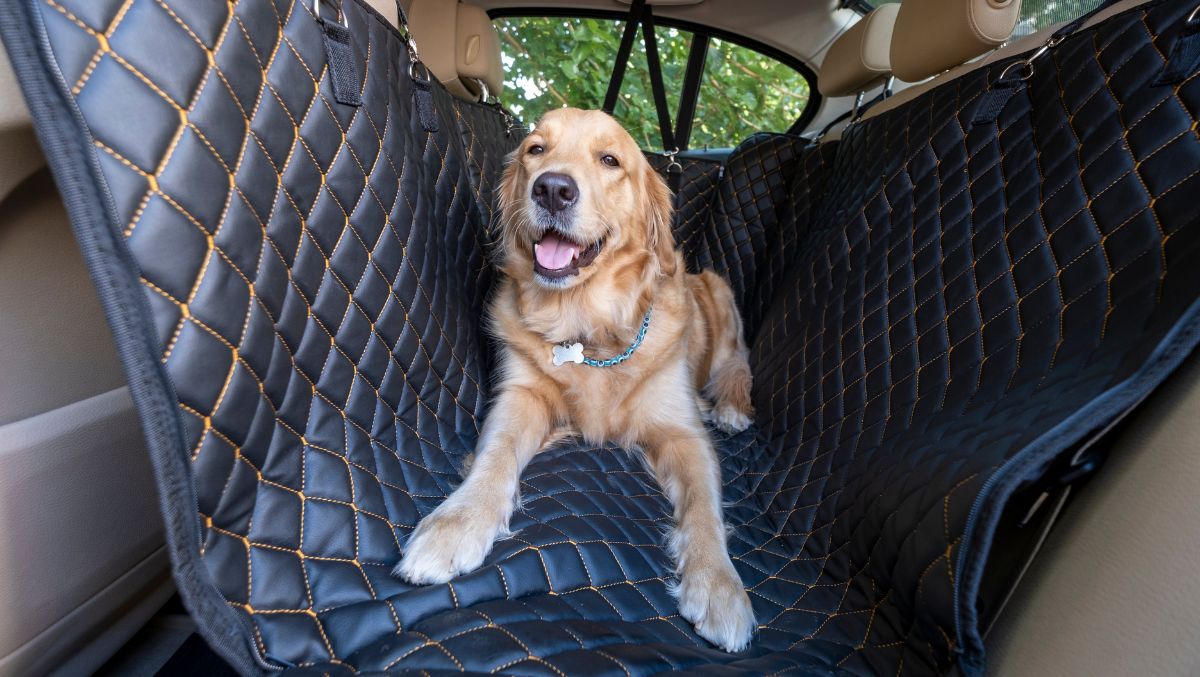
x=573 y=352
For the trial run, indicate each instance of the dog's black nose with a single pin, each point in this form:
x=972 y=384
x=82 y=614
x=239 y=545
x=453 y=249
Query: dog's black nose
x=555 y=192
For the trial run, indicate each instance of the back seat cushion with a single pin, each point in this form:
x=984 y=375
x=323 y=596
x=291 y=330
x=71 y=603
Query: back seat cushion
x=759 y=209
x=942 y=310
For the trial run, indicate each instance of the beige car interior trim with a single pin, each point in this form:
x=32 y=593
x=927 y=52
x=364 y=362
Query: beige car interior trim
x=387 y=8
x=20 y=155
x=117 y=613
x=55 y=345
x=664 y=3
x=1114 y=590
x=82 y=561
x=78 y=510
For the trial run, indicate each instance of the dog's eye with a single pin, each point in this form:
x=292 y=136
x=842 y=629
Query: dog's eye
x=535 y=149
x=610 y=161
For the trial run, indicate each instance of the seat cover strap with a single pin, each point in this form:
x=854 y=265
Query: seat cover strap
x=622 y=61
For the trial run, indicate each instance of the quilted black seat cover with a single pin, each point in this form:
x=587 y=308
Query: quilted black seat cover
x=939 y=311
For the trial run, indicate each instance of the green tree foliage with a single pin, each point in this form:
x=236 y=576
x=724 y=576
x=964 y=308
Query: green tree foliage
x=554 y=62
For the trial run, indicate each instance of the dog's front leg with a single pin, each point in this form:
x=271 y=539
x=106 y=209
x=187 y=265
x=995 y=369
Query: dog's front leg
x=711 y=594
x=458 y=534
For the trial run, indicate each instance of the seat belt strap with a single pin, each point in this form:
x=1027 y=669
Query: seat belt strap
x=692 y=77
x=636 y=8
x=659 y=90
x=657 y=86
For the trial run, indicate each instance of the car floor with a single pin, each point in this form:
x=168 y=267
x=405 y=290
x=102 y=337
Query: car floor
x=169 y=646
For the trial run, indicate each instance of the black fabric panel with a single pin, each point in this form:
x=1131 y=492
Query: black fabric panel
x=744 y=218
x=938 y=310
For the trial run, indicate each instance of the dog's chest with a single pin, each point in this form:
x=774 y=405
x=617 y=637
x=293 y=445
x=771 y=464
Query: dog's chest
x=597 y=399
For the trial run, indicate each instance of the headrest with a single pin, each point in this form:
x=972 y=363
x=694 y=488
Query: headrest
x=934 y=35
x=478 y=57
x=459 y=45
x=859 y=59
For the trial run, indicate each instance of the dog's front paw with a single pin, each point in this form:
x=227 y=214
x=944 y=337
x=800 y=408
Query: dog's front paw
x=449 y=542
x=715 y=602
x=729 y=419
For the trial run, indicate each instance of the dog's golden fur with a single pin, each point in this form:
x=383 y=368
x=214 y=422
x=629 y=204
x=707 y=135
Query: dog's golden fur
x=692 y=355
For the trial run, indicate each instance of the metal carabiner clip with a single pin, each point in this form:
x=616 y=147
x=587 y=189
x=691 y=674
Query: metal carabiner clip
x=341 y=16
x=674 y=165
x=1027 y=63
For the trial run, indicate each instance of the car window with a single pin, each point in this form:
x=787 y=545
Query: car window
x=1037 y=14
x=744 y=92
x=552 y=62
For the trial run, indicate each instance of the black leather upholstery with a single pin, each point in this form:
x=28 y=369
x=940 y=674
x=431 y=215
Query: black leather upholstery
x=938 y=311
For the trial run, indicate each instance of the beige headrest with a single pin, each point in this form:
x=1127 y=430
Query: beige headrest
x=478 y=57
x=934 y=35
x=859 y=59
x=459 y=45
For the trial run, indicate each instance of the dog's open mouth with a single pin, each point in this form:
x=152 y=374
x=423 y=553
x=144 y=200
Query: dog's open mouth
x=555 y=255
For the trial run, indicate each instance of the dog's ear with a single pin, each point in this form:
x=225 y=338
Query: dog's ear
x=658 y=211
x=508 y=196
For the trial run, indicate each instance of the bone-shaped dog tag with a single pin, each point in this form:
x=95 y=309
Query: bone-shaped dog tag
x=571 y=353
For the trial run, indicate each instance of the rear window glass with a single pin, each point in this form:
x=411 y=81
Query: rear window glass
x=552 y=62
x=744 y=91
x=1038 y=14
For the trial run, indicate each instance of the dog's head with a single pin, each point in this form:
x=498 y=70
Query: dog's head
x=578 y=199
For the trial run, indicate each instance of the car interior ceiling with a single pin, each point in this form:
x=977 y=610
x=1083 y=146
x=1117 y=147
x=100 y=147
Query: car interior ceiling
x=242 y=351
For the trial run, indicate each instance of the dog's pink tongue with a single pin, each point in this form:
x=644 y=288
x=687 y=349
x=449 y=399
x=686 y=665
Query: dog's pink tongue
x=554 y=252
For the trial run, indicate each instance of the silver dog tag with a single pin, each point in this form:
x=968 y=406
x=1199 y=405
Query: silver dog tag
x=565 y=353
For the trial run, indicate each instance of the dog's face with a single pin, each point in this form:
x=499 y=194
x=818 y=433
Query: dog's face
x=578 y=198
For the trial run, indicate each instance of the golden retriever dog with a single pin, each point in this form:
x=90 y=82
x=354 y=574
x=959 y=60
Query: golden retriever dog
x=589 y=260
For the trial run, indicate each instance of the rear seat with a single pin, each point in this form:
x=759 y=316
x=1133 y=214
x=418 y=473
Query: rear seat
x=461 y=48
x=947 y=310
x=770 y=184
x=1071 y=613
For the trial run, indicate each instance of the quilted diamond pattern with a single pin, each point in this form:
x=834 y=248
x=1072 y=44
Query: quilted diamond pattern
x=937 y=311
